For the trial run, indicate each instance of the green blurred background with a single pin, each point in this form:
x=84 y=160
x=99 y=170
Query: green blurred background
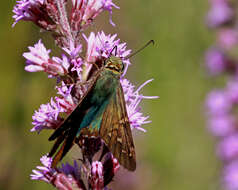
x=177 y=152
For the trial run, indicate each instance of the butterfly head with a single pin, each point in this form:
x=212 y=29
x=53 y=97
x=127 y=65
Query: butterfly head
x=114 y=64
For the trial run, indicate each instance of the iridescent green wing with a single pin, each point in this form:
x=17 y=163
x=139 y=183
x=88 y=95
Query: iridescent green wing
x=67 y=131
x=115 y=130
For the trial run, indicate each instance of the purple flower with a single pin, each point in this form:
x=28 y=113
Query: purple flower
x=73 y=51
x=36 y=11
x=65 y=178
x=23 y=10
x=232 y=90
x=68 y=170
x=228 y=148
x=47 y=117
x=77 y=66
x=100 y=47
x=38 y=60
x=97 y=179
x=231 y=176
x=85 y=11
x=221 y=125
x=220 y=13
x=66 y=101
x=133 y=98
x=45 y=172
x=228 y=38
x=215 y=61
x=218 y=103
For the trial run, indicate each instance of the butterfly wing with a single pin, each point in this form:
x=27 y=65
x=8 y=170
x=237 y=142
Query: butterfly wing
x=67 y=131
x=115 y=130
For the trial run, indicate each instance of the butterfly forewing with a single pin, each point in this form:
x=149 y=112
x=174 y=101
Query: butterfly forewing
x=67 y=131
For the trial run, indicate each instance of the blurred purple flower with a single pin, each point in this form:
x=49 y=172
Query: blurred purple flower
x=221 y=125
x=228 y=38
x=228 y=147
x=215 y=61
x=219 y=13
x=218 y=103
x=232 y=90
x=231 y=176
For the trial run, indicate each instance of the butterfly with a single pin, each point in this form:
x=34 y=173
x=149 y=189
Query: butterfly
x=101 y=112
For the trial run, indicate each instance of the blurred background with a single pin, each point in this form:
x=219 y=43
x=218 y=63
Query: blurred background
x=176 y=152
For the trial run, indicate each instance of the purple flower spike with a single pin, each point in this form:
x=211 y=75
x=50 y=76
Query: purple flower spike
x=215 y=61
x=38 y=60
x=76 y=75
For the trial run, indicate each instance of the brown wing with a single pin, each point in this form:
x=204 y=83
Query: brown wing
x=116 y=132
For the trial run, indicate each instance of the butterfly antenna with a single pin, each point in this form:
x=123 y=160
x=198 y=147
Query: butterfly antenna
x=147 y=44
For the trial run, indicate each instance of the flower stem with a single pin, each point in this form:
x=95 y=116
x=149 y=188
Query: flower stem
x=64 y=20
